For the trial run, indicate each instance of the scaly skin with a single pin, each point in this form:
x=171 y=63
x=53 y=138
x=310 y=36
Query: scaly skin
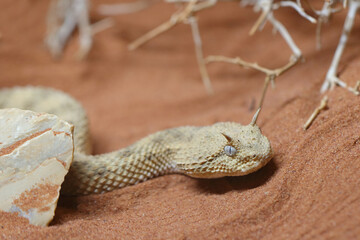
x=194 y=151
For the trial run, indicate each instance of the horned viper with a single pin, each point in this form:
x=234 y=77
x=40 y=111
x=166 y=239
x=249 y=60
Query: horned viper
x=222 y=149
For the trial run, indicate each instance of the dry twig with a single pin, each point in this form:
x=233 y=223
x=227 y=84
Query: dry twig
x=124 y=8
x=199 y=54
x=267 y=7
x=357 y=86
x=323 y=105
x=271 y=74
x=331 y=77
x=323 y=17
x=63 y=17
x=187 y=15
x=174 y=20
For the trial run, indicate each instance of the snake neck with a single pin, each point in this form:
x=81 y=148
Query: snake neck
x=148 y=158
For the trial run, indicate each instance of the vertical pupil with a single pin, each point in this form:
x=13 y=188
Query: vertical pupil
x=229 y=150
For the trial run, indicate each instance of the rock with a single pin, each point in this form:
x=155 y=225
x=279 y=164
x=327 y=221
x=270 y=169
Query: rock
x=36 y=150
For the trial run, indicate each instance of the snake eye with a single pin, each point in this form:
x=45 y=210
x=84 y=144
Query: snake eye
x=229 y=150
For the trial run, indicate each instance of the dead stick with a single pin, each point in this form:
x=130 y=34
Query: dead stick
x=322 y=106
x=238 y=61
x=271 y=74
x=268 y=79
x=174 y=20
x=356 y=89
x=260 y=21
x=199 y=54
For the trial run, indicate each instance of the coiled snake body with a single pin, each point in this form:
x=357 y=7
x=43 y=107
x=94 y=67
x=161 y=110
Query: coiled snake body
x=222 y=149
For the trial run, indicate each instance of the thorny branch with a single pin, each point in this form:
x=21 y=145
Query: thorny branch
x=124 y=8
x=323 y=105
x=63 y=17
x=186 y=15
x=174 y=20
x=331 y=77
x=271 y=74
x=267 y=7
x=323 y=17
x=199 y=54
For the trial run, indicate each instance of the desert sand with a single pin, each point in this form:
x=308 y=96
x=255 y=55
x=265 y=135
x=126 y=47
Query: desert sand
x=310 y=189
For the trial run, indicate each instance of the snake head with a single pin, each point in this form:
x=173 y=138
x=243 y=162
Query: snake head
x=226 y=149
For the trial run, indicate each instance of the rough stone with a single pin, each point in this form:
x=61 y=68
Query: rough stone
x=36 y=151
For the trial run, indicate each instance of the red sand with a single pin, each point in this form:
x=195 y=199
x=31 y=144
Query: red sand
x=310 y=190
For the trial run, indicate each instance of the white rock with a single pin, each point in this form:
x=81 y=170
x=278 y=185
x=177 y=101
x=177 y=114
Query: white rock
x=36 y=150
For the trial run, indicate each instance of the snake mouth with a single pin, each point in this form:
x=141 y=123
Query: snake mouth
x=218 y=172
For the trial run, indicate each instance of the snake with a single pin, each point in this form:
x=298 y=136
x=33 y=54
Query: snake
x=215 y=151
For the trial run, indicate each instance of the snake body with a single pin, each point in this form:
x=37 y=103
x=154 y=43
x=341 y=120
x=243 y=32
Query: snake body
x=222 y=149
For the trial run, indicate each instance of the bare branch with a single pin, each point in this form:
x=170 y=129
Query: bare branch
x=331 y=77
x=271 y=74
x=180 y=17
x=285 y=34
x=297 y=8
x=174 y=20
x=323 y=105
x=267 y=7
x=63 y=17
x=124 y=8
x=199 y=54
x=186 y=15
